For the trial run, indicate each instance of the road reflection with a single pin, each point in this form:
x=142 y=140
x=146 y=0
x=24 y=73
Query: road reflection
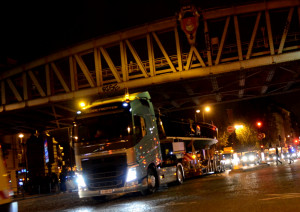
x=132 y=206
x=12 y=207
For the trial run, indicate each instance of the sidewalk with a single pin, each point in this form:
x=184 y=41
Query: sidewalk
x=26 y=195
x=21 y=197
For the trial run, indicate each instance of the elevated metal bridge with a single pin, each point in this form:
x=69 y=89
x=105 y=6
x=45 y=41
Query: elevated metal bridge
x=240 y=52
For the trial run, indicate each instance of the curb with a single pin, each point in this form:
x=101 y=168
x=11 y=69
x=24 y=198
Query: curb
x=15 y=199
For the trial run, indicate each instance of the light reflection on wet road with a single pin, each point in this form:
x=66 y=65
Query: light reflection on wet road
x=273 y=188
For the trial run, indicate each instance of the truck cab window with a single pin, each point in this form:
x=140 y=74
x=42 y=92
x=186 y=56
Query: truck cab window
x=140 y=127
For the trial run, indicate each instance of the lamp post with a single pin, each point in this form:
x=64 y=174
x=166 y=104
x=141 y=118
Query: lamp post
x=205 y=109
x=24 y=157
x=21 y=136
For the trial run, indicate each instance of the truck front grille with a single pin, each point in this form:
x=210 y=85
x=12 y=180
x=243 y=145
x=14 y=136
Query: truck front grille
x=105 y=172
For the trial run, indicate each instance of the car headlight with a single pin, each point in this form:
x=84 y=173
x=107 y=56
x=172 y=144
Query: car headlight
x=227 y=161
x=131 y=174
x=251 y=158
x=244 y=158
x=274 y=158
x=288 y=155
x=80 y=181
x=294 y=154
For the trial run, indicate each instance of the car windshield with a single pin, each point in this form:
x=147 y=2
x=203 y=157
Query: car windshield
x=250 y=153
x=271 y=155
x=227 y=156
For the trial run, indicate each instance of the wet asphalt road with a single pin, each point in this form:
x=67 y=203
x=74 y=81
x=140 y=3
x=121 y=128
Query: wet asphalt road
x=271 y=188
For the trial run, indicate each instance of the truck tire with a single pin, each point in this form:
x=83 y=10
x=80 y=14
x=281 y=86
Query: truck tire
x=152 y=182
x=179 y=175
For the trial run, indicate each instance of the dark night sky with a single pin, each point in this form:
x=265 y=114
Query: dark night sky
x=33 y=29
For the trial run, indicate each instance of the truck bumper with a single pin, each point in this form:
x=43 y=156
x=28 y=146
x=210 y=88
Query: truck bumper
x=132 y=187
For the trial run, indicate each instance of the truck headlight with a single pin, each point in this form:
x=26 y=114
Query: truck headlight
x=251 y=158
x=244 y=158
x=80 y=181
x=131 y=174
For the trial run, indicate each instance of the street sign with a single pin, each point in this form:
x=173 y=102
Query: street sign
x=260 y=136
x=230 y=129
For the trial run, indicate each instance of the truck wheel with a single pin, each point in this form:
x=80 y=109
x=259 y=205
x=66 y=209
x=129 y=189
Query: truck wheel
x=152 y=182
x=179 y=175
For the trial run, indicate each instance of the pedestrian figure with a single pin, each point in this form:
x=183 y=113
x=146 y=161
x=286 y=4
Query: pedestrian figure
x=291 y=153
x=277 y=157
x=62 y=178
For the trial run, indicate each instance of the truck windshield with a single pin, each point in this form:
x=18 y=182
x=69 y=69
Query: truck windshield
x=103 y=128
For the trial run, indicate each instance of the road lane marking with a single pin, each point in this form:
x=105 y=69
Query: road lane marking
x=144 y=206
x=282 y=196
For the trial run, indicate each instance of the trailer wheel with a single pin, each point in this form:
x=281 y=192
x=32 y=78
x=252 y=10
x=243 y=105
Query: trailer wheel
x=218 y=169
x=179 y=175
x=152 y=182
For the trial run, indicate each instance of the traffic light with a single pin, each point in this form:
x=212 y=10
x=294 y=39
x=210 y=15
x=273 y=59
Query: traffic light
x=296 y=141
x=259 y=124
x=262 y=148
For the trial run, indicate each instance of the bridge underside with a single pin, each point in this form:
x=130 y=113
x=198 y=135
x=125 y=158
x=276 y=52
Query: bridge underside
x=184 y=95
x=241 y=53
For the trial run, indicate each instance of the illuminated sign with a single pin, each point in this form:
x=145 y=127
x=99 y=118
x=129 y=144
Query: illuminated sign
x=46 y=151
x=100 y=109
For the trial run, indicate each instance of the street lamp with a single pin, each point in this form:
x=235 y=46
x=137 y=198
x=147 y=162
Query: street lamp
x=196 y=114
x=82 y=104
x=206 y=109
x=238 y=126
x=21 y=136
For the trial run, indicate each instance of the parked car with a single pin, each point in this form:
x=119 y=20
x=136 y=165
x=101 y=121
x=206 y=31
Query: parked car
x=250 y=158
